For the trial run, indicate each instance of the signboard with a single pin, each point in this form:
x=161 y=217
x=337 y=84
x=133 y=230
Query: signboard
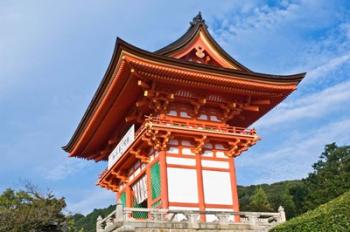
x=122 y=146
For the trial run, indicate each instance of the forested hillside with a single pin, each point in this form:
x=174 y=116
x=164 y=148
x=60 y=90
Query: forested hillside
x=268 y=197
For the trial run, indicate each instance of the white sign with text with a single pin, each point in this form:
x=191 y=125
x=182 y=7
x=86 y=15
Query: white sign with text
x=122 y=146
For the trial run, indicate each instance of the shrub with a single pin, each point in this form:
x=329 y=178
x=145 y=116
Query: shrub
x=332 y=216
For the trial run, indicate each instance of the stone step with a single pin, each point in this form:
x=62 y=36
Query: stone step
x=185 y=227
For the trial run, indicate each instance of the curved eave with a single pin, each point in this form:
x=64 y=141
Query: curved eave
x=123 y=46
x=96 y=97
x=208 y=68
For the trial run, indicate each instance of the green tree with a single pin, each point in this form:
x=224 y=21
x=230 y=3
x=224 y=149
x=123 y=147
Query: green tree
x=28 y=210
x=259 y=202
x=330 y=178
x=88 y=223
x=285 y=199
x=298 y=193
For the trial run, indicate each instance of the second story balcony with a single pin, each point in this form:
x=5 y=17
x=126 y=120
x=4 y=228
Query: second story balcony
x=157 y=134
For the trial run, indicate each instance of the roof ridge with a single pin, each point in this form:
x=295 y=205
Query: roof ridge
x=198 y=19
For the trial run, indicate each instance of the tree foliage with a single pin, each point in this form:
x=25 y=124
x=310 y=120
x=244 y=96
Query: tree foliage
x=88 y=223
x=28 y=210
x=278 y=194
x=330 y=178
x=332 y=216
x=259 y=202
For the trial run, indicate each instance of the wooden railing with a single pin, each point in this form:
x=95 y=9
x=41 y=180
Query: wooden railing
x=209 y=127
x=197 y=125
x=192 y=217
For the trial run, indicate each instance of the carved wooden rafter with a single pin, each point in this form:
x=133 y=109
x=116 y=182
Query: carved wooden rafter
x=199 y=144
x=115 y=188
x=234 y=109
x=114 y=184
x=157 y=139
x=158 y=101
x=248 y=143
x=233 y=148
x=262 y=102
x=139 y=154
x=153 y=99
x=135 y=115
x=197 y=104
x=121 y=175
x=104 y=183
x=240 y=145
x=102 y=154
x=230 y=110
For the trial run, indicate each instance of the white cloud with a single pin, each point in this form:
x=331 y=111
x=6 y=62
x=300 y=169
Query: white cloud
x=315 y=105
x=253 y=19
x=91 y=199
x=65 y=168
x=285 y=38
x=294 y=159
x=322 y=71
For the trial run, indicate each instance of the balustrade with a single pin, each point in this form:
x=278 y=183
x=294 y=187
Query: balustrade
x=197 y=125
x=124 y=215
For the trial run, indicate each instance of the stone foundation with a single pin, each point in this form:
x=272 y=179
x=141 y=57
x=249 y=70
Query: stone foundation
x=163 y=220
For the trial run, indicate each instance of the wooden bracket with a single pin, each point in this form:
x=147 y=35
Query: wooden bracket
x=154 y=138
x=157 y=101
x=120 y=175
x=139 y=155
x=197 y=105
x=143 y=84
x=231 y=109
x=135 y=116
x=200 y=142
x=261 y=102
x=234 y=148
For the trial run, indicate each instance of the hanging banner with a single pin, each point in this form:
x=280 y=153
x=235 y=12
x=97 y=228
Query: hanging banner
x=140 y=190
x=122 y=146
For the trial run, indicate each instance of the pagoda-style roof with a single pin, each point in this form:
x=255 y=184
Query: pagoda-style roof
x=198 y=29
x=194 y=61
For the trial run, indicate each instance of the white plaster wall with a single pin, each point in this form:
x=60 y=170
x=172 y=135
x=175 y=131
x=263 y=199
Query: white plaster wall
x=217 y=187
x=182 y=185
x=215 y=164
x=182 y=161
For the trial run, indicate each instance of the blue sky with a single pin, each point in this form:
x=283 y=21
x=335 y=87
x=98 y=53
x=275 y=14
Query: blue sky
x=53 y=54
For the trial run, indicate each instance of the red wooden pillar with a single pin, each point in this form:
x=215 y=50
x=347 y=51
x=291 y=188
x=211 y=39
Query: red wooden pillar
x=200 y=186
x=163 y=180
x=128 y=200
x=234 y=191
x=149 y=186
x=128 y=193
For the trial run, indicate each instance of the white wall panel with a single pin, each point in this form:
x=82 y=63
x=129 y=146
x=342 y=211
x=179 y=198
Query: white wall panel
x=182 y=185
x=217 y=187
x=182 y=161
x=215 y=164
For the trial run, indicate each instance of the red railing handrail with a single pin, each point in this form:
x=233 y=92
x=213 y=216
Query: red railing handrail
x=211 y=127
x=196 y=125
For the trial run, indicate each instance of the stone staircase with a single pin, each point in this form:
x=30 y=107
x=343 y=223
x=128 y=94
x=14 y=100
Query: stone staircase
x=183 y=227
